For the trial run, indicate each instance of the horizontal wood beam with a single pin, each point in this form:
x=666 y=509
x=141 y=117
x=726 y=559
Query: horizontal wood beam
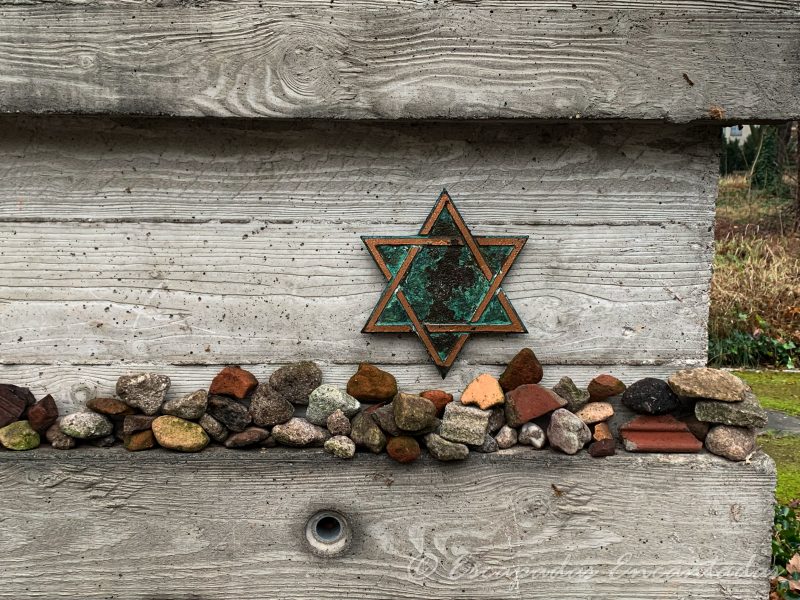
x=94 y=523
x=723 y=61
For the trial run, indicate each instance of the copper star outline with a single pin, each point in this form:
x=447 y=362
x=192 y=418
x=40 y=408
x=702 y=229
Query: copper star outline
x=423 y=330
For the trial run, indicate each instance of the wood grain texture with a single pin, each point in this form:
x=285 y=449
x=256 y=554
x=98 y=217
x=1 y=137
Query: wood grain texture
x=226 y=292
x=194 y=170
x=666 y=61
x=517 y=524
x=73 y=384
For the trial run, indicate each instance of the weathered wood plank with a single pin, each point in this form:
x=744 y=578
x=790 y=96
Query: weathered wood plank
x=189 y=170
x=517 y=524
x=73 y=384
x=229 y=292
x=666 y=61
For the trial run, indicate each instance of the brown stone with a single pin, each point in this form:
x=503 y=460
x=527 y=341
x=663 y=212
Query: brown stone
x=110 y=407
x=249 y=437
x=663 y=433
x=602 y=448
x=439 y=398
x=13 y=402
x=595 y=412
x=58 y=439
x=139 y=440
x=42 y=414
x=523 y=369
x=179 y=434
x=710 y=384
x=233 y=381
x=371 y=384
x=134 y=423
x=604 y=387
x=602 y=432
x=734 y=443
x=529 y=401
x=698 y=428
x=484 y=392
x=403 y=449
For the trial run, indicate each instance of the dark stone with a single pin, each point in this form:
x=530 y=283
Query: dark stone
x=384 y=417
x=249 y=437
x=576 y=397
x=134 y=423
x=104 y=442
x=698 y=428
x=651 y=396
x=296 y=381
x=111 y=407
x=58 y=439
x=602 y=448
x=233 y=381
x=403 y=449
x=523 y=369
x=269 y=408
x=139 y=440
x=604 y=387
x=229 y=412
x=366 y=433
x=371 y=384
x=42 y=414
x=338 y=423
x=13 y=402
x=413 y=413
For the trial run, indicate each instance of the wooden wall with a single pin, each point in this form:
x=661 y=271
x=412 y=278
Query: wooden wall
x=181 y=245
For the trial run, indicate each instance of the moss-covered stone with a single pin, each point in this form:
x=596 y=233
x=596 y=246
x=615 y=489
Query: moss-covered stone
x=179 y=434
x=19 y=436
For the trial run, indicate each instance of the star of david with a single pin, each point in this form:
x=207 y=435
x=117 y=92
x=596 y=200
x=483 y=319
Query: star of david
x=444 y=284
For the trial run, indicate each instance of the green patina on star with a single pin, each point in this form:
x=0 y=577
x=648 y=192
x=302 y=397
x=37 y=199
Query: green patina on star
x=444 y=284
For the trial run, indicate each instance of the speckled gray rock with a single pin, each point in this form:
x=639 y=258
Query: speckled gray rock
x=413 y=413
x=497 y=419
x=296 y=381
x=506 y=437
x=464 y=424
x=341 y=446
x=234 y=415
x=215 y=430
x=709 y=384
x=299 y=432
x=384 y=417
x=191 y=406
x=734 y=443
x=268 y=408
x=576 y=397
x=327 y=398
x=530 y=434
x=488 y=446
x=747 y=413
x=567 y=432
x=338 y=423
x=366 y=433
x=58 y=439
x=442 y=449
x=86 y=425
x=145 y=391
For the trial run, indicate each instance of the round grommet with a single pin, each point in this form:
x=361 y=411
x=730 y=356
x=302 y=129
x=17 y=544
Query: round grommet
x=328 y=533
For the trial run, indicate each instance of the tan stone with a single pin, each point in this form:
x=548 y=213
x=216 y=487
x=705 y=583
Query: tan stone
x=602 y=432
x=179 y=434
x=596 y=412
x=484 y=392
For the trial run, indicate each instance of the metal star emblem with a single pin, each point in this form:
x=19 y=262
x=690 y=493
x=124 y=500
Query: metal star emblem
x=444 y=284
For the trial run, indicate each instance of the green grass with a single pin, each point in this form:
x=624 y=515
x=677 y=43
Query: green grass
x=775 y=390
x=785 y=451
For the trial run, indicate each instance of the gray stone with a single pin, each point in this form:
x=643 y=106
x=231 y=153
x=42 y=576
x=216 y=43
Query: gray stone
x=296 y=381
x=575 y=397
x=506 y=437
x=747 y=413
x=338 y=423
x=464 y=424
x=268 y=408
x=734 y=443
x=191 y=406
x=488 y=446
x=58 y=439
x=497 y=419
x=145 y=391
x=366 y=433
x=325 y=399
x=215 y=430
x=341 y=446
x=86 y=425
x=299 y=432
x=567 y=432
x=231 y=413
x=530 y=434
x=442 y=449
x=709 y=384
x=413 y=413
x=384 y=417
x=104 y=442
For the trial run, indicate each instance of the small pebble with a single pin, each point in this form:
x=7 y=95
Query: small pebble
x=371 y=384
x=595 y=412
x=442 y=449
x=602 y=431
x=234 y=415
x=269 y=408
x=13 y=402
x=698 y=428
x=604 y=387
x=567 y=432
x=488 y=446
x=413 y=413
x=179 y=434
x=403 y=449
x=484 y=392
x=497 y=419
x=134 y=423
x=338 y=423
x=530 y=434
x=104 y=442
x=464 y=424
x=234 y=382
x=340 y=446
x=19 y=435
x=298 y=432
x=439 y=398
x=325 y=399
x=111 y=407
x=215 y=430
x=384 y=417
x=575 y=397
x=190 y=407
x=506 y=437
x=86 y=425
x=296 y=381
x=58 y=439
x=249 y=437
x=366 y=433
x=523 y=369
x=145 y=391
x=139 y=440
x=42 y=414
x=602 y=448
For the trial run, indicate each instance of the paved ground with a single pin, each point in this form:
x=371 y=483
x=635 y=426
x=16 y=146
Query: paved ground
x=778 y=421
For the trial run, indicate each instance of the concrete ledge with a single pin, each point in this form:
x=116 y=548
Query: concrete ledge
x=102 y=523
